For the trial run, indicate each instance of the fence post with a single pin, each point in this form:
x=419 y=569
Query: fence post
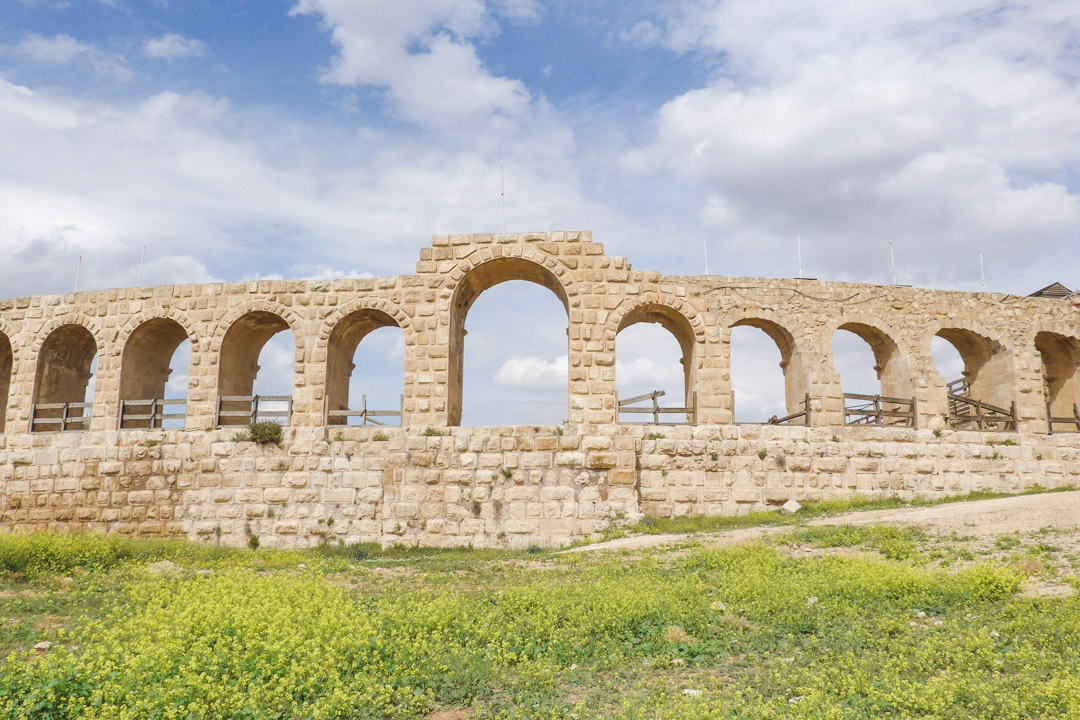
x=64 y=418
x=806 y=408
x=122 y=406
x=655 y=409
x=1015 y=420
x=254 y=408
x=363 y=410
x=1076 y=415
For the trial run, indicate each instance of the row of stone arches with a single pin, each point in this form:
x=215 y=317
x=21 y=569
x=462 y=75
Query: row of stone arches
x=228 y=356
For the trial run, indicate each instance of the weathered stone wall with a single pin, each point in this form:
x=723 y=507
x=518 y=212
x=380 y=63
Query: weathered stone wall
x=509 y=485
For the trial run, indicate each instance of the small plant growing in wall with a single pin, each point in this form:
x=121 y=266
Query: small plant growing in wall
x=937 y=432
x=506 y=473
x=339 y=437
x=655 y=436
x=265 y=433
x=476 y=508
x=433 y=432
x=381 y=437
x=835 y=439
x=762 y=454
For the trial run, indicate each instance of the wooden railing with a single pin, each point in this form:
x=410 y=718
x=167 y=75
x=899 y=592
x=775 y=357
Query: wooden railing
x=1072 y=423
x=690 y=413
x=968 y=414
x=245 y=409
x=803 y=415
x=149 y=414
x=366 y=415
x=878 y=410
x=60 y=417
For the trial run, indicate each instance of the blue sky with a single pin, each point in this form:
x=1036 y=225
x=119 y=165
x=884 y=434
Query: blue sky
x=321 y=138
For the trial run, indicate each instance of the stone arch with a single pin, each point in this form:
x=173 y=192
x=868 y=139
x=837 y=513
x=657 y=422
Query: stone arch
x=891 y=365
x=64 y=359
x=240 y=339
x=294 y=322
x=472 y=277
x=989 y=372
x=137 y=320
x=348 y=330
x=145 y=362
x=401 y=318
x=674 y=315
x=792 y=363
x=1060 y=355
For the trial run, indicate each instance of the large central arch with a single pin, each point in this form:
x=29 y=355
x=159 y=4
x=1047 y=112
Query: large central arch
x=472 y=284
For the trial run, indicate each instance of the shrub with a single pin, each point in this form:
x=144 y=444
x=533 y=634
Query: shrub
x=265 y=433
x=380 y=437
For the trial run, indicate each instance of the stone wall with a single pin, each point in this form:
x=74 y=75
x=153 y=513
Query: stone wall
x=508 y=486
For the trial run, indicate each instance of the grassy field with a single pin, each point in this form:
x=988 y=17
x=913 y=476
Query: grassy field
x=814 y=622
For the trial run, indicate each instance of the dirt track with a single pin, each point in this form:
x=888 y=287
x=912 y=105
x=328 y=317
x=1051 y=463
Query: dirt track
x=979 y=518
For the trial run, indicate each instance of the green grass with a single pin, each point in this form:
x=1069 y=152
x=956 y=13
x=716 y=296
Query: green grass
x=758 y=631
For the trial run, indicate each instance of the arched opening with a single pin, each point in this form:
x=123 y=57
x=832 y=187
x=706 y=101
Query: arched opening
x=767 y=380
x=1061 y=380
x=255 y=375
x=875 y=377
x=63 y=387
x=150 y=354
x=518 y=373
x=657 y=355
x=981 y=397
x=365 y=370
x=6 y=359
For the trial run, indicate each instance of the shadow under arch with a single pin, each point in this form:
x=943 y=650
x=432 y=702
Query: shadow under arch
x=891 y=366
x=63 y=374
x=145 y=365
x=1061 y=373
x=796 y=385
x=989 y=374
x=342 y=343
x=238 y=362
x=7 y=361
x=676 y=323
x=475 y=281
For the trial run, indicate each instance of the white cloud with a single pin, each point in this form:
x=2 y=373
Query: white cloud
x=421 y=53
x=941 y=126
x=533 y=372
x=171 y=46
x=64 y=49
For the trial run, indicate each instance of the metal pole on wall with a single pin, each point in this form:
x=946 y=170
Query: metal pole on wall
x=142 y=260
x=982 y=271
x=892 y=260
x=798 y=246
x=502 y=194
x=705 y=244
x=78 y=273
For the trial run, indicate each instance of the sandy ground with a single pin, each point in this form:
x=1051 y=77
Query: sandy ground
x=982 y=519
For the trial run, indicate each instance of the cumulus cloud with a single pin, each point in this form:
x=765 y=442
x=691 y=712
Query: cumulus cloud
x=64 y=49
x=171 y=46
x=942 y=126
x=423 y=54
x=532 y=372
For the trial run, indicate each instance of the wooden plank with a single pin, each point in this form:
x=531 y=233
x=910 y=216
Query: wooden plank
x=49 y=406
x=882 y=413
x=234 y=413
x=236 y=398
x=639 y=398
x=275 y=398
x=652 y=411
x=383 y=413
x=47 y=421
x=881 y=398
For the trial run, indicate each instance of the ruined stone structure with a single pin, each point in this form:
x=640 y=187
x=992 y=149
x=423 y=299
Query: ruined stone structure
x=430 y=482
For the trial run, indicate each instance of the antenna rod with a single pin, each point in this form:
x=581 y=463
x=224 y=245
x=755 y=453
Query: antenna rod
x=141 y=261
x=502 y=194
x=798 y=244
x=892 y=259
x=982 y=271
x=78 y=272
x=705 y=244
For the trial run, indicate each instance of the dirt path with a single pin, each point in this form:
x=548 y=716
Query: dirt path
x=979 y=518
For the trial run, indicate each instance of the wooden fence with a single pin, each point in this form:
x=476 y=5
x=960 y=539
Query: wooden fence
x=791 y=419
x=366 y=415
x=149 y=414
x=1072 y=424
x=60 y=417
x=968 y=414
x=246 y=409
x=690 y=413
x=878 y=410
